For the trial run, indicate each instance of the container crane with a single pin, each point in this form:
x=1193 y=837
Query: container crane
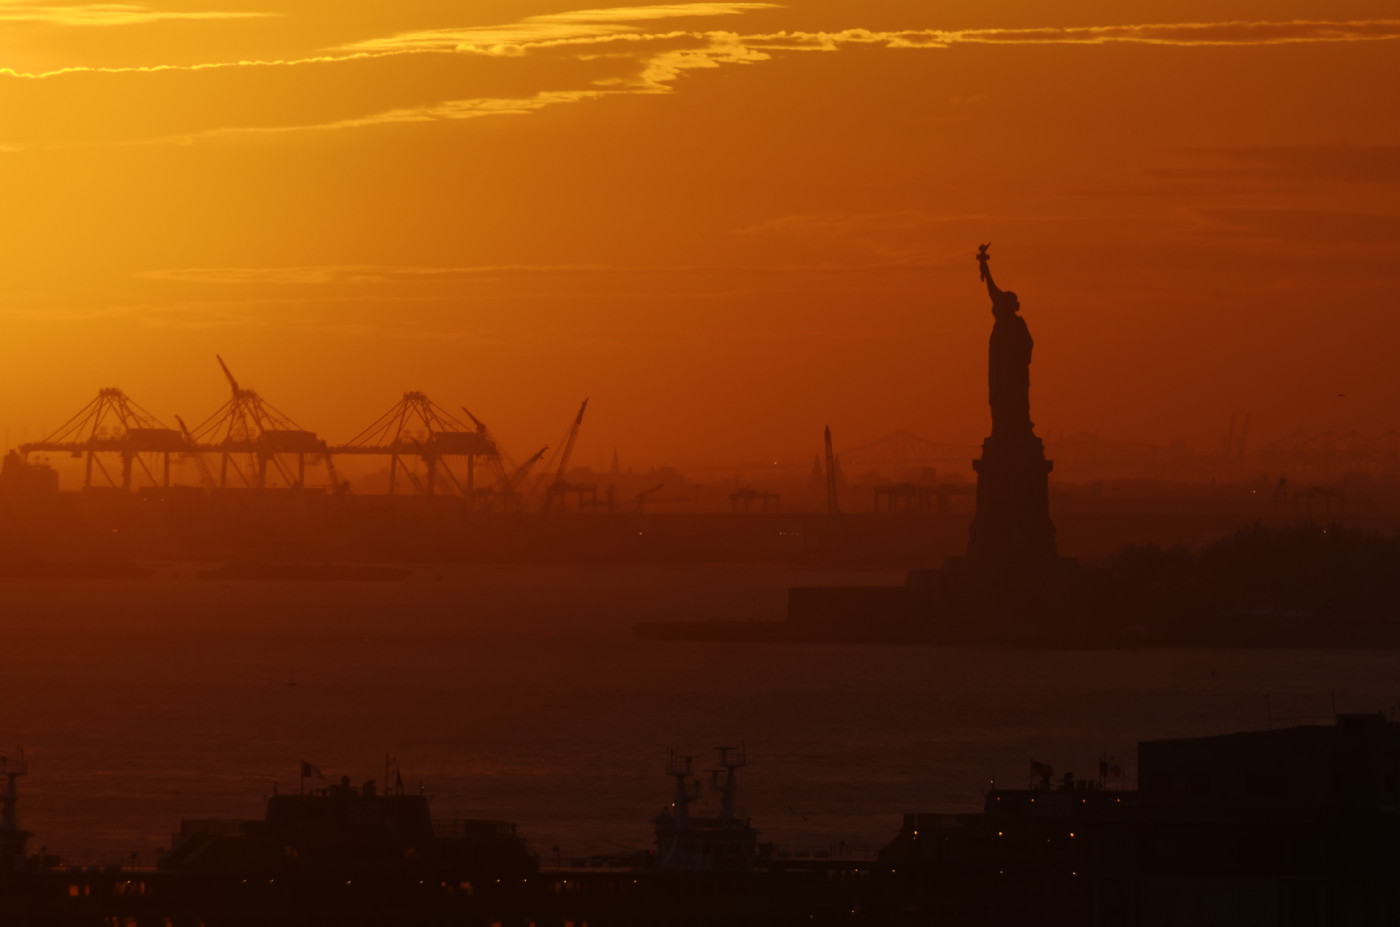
x=557 y=485
x=507 y=486
x=206 y=476
x=522 y=471
x=500 y=463
x=250 y=427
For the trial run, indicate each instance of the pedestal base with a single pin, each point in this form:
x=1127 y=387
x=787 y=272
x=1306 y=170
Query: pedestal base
x=1012 y=527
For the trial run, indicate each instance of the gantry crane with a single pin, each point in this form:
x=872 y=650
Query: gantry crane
x=113 y=424
x=557 y=486
x=206 y=478
x=251 y=428
x=418 y=427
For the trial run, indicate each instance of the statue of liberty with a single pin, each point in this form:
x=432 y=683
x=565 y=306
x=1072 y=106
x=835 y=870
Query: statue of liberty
x=1012 y=524
x=1008 y=360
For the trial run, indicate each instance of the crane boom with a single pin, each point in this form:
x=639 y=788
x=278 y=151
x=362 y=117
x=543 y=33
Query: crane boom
x=555 y=484
x=231 y=381
x=524 y=469
x=480 y=425
x=569 y=444
x=498 y=462
x=831 y=505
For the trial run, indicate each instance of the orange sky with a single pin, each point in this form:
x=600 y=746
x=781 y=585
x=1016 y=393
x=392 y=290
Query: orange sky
x=727 y=223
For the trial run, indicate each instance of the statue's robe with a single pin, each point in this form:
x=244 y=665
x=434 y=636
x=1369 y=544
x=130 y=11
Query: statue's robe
x=1009 y=376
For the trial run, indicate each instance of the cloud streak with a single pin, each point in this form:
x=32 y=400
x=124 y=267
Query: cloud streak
x=550 y=29
x=660 y=68
x=107 y=14
x=319 y=275
x=206 y=66
x=1348 y=164
x=662 y=58
x=585 y=26
x=1230 y=33
x=616 y=25
x=1309 y=226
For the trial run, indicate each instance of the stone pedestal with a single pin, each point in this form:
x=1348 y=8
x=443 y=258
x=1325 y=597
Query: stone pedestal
x=1012 y=527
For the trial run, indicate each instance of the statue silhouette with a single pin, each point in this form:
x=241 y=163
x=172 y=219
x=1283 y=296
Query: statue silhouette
x=1012 y=529
x=1008 y=360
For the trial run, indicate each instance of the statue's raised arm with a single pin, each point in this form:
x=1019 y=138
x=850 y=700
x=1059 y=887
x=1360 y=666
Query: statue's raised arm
x=982 y=258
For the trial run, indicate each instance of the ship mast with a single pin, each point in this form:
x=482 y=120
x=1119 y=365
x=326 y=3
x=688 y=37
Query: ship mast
x=731 y=760
x=12 y=840
x=679 y=767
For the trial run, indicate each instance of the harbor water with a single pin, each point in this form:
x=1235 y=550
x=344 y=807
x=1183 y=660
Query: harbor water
x=518 y=693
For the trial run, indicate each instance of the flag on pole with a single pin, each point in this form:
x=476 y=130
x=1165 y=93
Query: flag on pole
x=1042 y=770
x=309 y=771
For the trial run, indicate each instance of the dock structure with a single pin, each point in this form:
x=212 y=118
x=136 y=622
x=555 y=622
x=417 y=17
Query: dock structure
x=248 y=443
x=905 y=497
x=113 y=426
x=250 y=436
x=418 y=428
x=745 y=497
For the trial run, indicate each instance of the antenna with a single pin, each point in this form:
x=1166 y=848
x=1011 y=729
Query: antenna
x=832 y=508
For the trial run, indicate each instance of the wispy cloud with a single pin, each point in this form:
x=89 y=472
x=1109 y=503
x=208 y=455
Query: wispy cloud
x=843 y=224
x=1332 y=163
x=679 y=52
x=617 y=26
x=448 y=110
x=1311 y=226
x=106 y=14
x=535 y=31
x=317 y=275
x=203 y=66
x=586 y=26
x=1230 y=33
x=662 y=58
x=357 y=273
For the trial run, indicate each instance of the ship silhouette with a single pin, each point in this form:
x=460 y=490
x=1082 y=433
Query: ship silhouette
x=1294 y=825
